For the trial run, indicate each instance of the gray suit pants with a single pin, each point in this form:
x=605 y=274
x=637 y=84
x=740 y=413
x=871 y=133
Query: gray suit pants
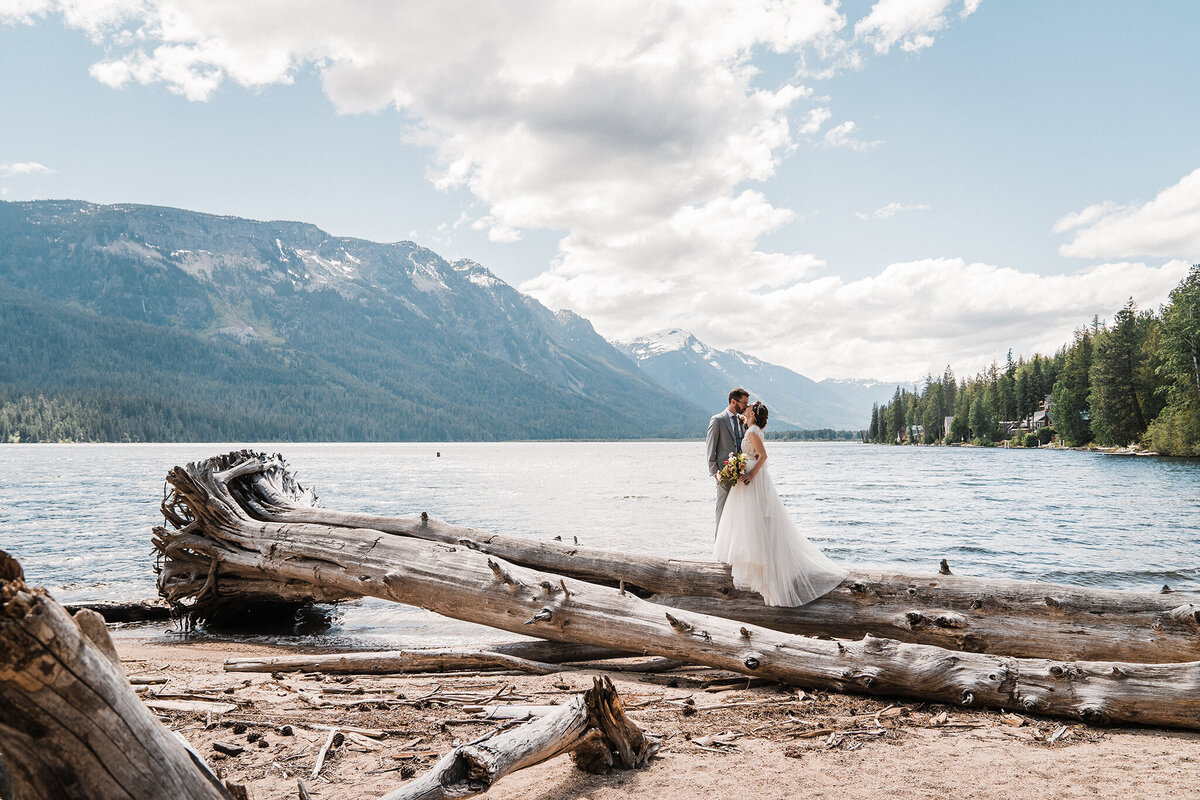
x=722 y=496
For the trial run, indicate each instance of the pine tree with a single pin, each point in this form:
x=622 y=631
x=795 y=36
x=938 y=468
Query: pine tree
x=1117 y=416
x=896 y=428
x=1176 y=430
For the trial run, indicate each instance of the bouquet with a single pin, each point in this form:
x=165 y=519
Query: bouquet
x=732 y=471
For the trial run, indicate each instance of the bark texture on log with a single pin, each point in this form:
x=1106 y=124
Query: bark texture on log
x=392 y=662
x=70 y=725
x=593 y=727
x=535 y=657
x=1005 y=617
x=465 y=584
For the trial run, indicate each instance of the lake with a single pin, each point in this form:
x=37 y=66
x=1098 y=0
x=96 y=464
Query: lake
x=79 y=516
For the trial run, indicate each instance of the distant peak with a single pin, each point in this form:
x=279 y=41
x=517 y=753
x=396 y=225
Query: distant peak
x=664 y=340
x=746 y=358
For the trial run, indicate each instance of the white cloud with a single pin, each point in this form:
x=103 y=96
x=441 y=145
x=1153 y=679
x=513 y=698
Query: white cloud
x=24 y=168
x=683 y=266
x=843 y=136
x=914 y=318
x=891 y=210
x=95 y=17
x=907 y=23
x=599 y=119
x=635 y=127
x=813 y=120
x=1168 y=226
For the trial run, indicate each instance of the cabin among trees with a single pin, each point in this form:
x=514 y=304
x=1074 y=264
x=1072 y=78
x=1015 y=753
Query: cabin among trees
x=1135 y=381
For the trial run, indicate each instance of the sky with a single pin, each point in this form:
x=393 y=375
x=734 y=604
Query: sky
x=849 y=189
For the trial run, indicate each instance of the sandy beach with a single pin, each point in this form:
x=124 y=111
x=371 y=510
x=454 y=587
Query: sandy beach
x=720 y=739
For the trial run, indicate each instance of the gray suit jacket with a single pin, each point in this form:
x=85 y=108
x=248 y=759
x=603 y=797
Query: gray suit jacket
x=721 y=441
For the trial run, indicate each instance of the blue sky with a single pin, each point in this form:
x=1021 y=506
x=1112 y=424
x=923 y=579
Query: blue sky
x=854 y=190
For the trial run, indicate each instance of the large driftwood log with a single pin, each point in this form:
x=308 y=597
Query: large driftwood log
x=136 y=611
x=462 y=583
x=391 y=662
x=592 y=727
x=537 y=657
x=1006 y=617
x=70 y=725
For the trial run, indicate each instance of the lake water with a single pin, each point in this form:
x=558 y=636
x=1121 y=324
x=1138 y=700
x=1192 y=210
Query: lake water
x=79 y=516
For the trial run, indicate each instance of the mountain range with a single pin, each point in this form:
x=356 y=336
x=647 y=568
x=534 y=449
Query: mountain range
x=144 y=323
x=680 y=362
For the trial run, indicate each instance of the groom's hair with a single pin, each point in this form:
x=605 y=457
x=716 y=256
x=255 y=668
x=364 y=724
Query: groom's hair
x=760 y=414
x=734 y=394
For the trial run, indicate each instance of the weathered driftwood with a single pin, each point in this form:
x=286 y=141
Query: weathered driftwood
x=395 y=661
x=464 y=584
x=136 y=611
x=539 y=658
x=1005 y=617
x=70 y=725
x=593 y=727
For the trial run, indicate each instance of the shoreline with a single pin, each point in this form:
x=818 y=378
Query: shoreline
x=719 y=741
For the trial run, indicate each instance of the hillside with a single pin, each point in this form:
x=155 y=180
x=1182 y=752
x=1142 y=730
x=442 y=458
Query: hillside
x=143 y=323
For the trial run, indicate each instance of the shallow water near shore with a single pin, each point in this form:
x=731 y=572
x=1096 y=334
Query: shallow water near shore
x=79 y=516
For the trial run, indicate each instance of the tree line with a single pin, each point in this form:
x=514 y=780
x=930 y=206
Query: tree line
x=1134 y=382
x=815 y=435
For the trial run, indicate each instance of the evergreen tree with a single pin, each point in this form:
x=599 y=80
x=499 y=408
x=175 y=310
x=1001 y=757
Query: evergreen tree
x=1024 y=396
x=949 y=389
x=960 y=427
x=896 y=428
x=1176 y=430
x=1009 y=389
x=1115 y=377
x=1068 y=404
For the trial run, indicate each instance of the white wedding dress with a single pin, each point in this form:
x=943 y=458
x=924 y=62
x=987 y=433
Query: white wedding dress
x=768 y=553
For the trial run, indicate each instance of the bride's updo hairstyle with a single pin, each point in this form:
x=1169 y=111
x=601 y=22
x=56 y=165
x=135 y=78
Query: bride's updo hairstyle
x=760 y=414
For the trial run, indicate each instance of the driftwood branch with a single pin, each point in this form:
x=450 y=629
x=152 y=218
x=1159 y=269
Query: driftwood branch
x=392 y=662
x=459 y=582
x=535 y=657
x=1004 y=617
x=593 y=727
x=70 y=724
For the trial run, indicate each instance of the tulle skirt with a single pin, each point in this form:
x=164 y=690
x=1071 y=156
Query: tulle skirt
x=768 y=553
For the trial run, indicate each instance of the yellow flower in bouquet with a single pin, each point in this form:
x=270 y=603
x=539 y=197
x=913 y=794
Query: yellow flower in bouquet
x=732 y=471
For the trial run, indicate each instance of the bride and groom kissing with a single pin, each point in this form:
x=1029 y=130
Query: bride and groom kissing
x=755 y=535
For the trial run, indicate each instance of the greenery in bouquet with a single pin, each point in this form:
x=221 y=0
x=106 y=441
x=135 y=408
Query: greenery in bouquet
x=732 y=471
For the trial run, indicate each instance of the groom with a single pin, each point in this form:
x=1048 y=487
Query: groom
x=725 y=431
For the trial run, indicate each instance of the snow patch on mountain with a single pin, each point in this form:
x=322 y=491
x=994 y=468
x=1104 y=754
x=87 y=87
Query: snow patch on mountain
x=659 y=343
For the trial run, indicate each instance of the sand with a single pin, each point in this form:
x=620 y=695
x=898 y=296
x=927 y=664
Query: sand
x=756 y=749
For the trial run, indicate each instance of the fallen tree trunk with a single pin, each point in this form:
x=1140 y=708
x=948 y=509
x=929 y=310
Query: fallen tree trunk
x=592 y=727
x=392 y=662
x=388 y=662
x=467 y=585
x=137 y=611
x=70 y=724
x=1007 y=617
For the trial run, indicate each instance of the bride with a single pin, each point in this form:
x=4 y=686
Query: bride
x=769 y=555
